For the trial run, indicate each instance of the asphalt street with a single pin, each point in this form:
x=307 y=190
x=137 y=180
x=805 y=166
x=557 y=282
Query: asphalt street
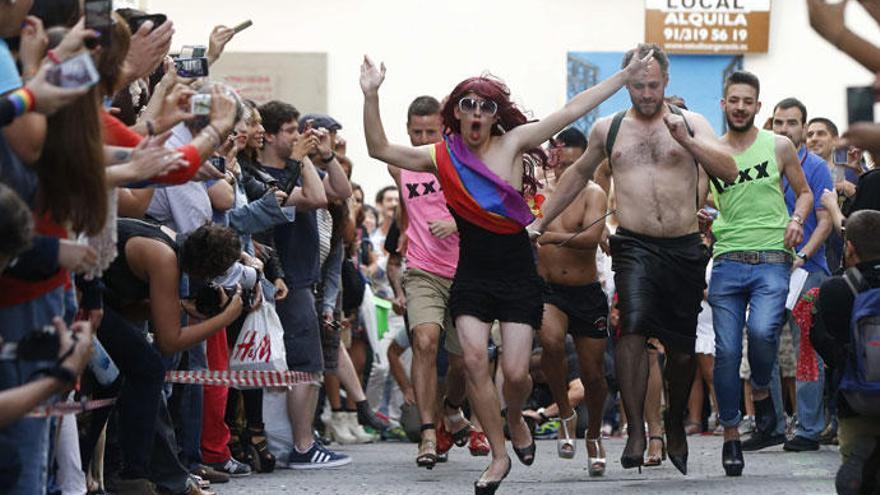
x=389 y=468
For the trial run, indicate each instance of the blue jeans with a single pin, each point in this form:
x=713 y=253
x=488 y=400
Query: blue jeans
x=24 y=445
x=735 y=286
x=810 y=413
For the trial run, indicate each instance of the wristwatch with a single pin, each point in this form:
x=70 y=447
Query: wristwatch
x=802 y=255
x=797 y=218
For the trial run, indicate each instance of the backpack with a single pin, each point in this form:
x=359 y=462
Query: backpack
x=861 y=377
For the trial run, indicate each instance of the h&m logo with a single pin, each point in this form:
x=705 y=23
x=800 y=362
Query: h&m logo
x=747 y=175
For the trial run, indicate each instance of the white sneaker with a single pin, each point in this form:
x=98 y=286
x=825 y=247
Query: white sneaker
x=356 y=430
x=338 y=429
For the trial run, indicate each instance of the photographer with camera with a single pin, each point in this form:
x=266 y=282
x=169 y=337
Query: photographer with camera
x=143 y=283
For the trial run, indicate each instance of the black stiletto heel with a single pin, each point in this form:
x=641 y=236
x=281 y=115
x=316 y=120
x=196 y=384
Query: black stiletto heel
x=680 y=462
x=490 y=487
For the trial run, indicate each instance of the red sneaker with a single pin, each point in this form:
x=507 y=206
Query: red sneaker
x=444 y=439
x=479 y=444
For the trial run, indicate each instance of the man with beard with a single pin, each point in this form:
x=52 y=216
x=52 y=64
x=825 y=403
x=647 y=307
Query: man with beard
x=752 y=261
x=658 y=258
x=789 y=120
x=485 y=166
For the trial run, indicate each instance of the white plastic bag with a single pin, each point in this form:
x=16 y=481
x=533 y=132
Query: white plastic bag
x=260 y=345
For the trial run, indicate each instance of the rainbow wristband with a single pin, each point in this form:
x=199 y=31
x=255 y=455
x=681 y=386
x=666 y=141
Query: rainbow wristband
x=23 y=100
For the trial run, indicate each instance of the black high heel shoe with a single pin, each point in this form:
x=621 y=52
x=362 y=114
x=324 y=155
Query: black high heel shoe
x=632 y=461
x=680 y=462
x=732 y=458
x=490 y=487
x=526 y=455
x=628 y=462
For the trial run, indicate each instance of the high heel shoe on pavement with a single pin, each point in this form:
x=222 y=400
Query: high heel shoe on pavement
x=655 y=459
x=629 y=462
x=680 y=462
x=732 y=458
x=595 y=465
x=490 y=487
x=526 y=455
x=427 y=456
x=566 y=447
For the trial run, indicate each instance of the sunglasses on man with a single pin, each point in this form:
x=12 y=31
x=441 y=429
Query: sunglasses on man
x=469 y=105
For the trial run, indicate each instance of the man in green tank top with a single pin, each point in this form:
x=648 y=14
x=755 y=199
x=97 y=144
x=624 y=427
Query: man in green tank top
x=754 y=237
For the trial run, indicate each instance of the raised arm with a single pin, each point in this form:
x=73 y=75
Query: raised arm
x=596 y=205
x=786 y=157
x=534 y=134
x=703 y=145
x=336 y=183
x=416 y=159
x=574 y=179
x=311 y=195
x=828 y=21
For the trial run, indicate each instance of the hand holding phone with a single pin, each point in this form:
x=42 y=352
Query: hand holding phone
x=244 y=25
x=76 y=72
x=200 y=104
x=191 y=67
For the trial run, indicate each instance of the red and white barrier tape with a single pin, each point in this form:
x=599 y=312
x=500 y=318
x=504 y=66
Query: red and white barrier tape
x=219 y=378
x=65 y=408
x=240 y=378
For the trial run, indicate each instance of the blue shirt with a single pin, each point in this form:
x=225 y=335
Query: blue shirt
x=9 y=78
x=297 y=242
x=819 y=179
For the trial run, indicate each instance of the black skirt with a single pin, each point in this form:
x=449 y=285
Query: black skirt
x=660 y=283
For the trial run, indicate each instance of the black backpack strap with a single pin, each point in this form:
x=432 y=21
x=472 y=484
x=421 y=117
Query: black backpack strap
x=677 y=111
x=855 y=280
x=612 y=134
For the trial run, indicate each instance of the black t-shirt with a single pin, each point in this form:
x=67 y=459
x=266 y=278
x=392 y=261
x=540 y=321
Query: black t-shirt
x=868 y=193
x=831 y=324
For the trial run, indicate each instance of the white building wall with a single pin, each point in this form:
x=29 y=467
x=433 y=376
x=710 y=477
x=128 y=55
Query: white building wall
x=430 y=46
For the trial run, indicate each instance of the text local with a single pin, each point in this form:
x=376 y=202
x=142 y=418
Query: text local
x=705 y=4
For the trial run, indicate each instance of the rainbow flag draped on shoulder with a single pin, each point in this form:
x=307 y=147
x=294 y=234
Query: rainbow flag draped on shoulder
x=475 y=193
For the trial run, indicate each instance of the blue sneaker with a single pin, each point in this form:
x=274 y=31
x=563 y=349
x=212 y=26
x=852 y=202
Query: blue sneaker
x=317 y=457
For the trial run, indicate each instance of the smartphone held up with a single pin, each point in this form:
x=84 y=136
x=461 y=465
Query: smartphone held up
x=99 y=17
x=191 y=68
x=75 y=72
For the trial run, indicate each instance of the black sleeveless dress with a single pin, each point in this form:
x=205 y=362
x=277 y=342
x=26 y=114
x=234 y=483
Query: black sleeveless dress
x=497 y=277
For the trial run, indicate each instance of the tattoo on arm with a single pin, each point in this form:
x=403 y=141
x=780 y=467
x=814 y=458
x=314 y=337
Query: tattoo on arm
x=120 y=156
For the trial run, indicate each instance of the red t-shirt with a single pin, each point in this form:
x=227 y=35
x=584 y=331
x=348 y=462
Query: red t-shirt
x=116 y=133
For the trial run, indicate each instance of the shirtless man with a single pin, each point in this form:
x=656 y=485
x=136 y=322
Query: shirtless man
x=575 y=303
x=659 y=164
x=496 y=277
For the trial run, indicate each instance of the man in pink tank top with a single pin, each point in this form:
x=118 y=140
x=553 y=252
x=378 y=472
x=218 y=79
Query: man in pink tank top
x=431 y=260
